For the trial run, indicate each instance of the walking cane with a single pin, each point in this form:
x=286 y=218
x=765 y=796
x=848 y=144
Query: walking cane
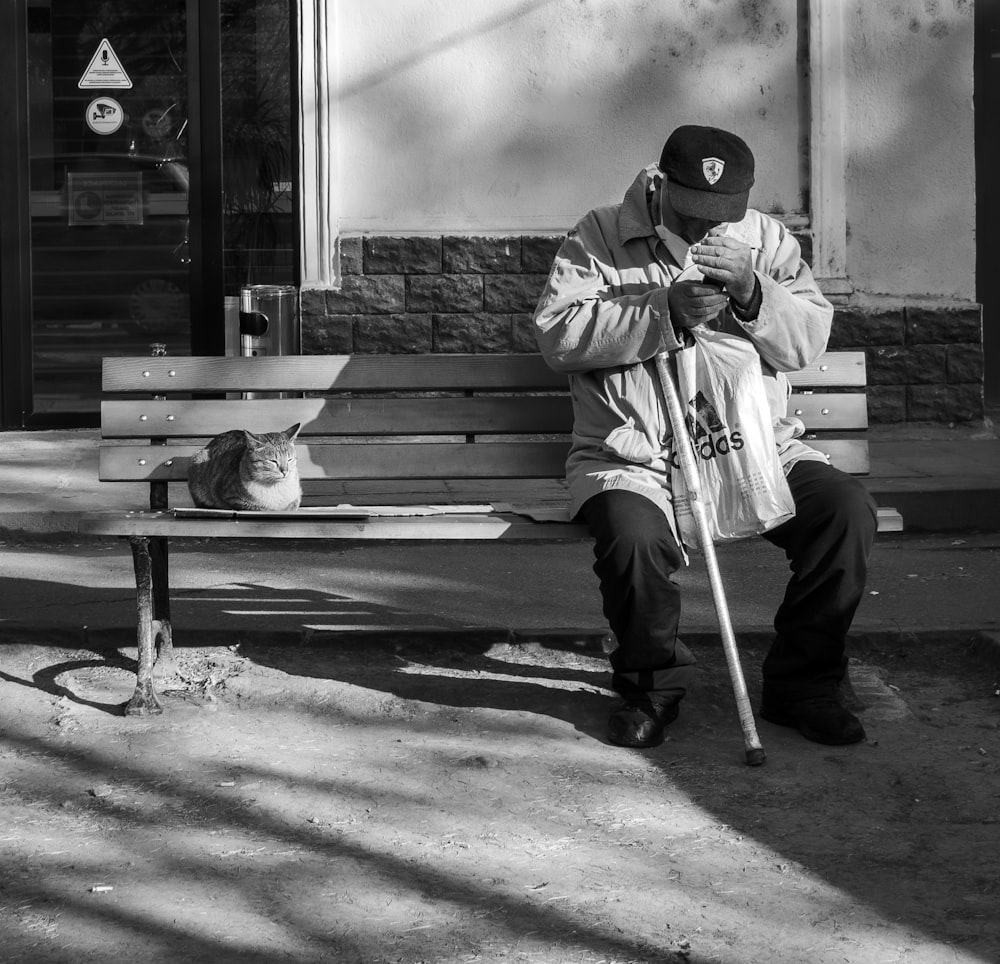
x=755 y=755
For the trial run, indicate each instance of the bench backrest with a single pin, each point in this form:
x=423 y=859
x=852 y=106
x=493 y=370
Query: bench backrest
x=397 y=417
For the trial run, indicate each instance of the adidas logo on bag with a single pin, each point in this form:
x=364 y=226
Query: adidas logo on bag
x=708 y=431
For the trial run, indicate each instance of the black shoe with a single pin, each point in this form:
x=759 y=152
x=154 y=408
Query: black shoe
x=821 y=719
x=640 y=722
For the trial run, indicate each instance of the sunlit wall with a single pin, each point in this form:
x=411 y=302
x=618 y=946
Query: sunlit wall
x=491 y=116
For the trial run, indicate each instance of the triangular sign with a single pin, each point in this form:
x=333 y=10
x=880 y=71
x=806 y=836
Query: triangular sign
x=105 y=70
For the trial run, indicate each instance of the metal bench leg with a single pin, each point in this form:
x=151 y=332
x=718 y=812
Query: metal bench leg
x=159 y=560
x=144 y=701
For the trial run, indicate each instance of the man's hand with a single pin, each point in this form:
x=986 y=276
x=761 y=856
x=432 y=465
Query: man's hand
x=694 y=302
x=727 y=261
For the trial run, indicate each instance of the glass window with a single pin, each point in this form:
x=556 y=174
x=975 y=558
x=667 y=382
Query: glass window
x=109 y=190
x=110 y=174
x=257 y=144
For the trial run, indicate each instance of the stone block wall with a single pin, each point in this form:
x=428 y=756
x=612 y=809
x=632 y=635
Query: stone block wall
x=430 y=294
x=925 y=360
x=476 y=294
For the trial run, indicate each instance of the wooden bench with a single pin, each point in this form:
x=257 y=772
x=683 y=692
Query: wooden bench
x=488 y=434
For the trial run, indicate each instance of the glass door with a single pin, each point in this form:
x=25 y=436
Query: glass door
x=257 y=143
x=987 y=136
x=109 y=184
x=155 y=156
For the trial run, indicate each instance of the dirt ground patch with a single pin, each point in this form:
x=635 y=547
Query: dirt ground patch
x=408 y=802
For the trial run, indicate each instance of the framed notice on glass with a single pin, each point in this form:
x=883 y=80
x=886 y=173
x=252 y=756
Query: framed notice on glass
x=104 y=198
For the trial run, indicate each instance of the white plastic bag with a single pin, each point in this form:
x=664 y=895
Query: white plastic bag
x=742 y=483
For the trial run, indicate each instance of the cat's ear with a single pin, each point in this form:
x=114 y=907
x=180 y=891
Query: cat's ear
x=252 y=440
x=290 y=433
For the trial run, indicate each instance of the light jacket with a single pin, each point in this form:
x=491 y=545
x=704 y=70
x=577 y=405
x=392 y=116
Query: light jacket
x=595 y=321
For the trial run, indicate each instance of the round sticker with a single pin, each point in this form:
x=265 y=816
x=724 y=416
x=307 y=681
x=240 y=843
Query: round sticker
x=88 y=205
x=104 y=115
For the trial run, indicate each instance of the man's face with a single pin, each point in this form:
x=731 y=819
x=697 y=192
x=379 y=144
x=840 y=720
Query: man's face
x=690 y=229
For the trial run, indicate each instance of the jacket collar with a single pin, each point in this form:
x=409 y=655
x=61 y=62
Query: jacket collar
x=634 y=220
x=633 y=217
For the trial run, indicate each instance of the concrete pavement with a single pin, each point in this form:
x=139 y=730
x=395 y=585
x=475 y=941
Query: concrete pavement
x=83 y=593
x=940 y=577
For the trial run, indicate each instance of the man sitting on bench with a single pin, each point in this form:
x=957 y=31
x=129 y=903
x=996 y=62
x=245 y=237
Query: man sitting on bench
x=608 y=309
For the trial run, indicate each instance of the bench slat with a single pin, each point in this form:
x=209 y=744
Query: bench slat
x=848 y=455
x=338 y=416
x=447 y=527
x=339 y=373
x=430 y=460
x=364 y=460
x=331 y=373
x=181 y=418
x=838 y=369
x=830 y=413
x=479 y=527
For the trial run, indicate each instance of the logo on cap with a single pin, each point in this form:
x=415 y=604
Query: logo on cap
x=712 y=168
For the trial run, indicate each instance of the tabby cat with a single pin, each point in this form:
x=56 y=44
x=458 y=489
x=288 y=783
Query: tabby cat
x=240 y=470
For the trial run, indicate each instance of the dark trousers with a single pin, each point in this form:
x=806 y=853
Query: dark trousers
x=827 y=545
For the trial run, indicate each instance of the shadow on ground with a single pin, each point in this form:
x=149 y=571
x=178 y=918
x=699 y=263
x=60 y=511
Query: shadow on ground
x=370 y=800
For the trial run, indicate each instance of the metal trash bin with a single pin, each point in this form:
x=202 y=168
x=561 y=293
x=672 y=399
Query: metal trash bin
x=269 y=320
x=269 y=325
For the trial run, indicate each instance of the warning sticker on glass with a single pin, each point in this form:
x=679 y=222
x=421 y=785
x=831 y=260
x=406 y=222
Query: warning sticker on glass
x=105 y=70
x=104 y=115
x=105 y=198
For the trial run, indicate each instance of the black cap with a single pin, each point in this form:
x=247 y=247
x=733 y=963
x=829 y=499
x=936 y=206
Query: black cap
x=709 y=173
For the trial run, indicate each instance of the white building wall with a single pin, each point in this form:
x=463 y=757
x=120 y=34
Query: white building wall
x=482 y=116
x=910 y=165
x=495 y=116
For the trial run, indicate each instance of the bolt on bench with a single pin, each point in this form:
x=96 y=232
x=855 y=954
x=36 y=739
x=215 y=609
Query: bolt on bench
x=490 y=432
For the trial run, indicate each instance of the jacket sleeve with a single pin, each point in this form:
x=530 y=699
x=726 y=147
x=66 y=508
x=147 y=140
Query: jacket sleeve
x=586 y=318
x=792 y=327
